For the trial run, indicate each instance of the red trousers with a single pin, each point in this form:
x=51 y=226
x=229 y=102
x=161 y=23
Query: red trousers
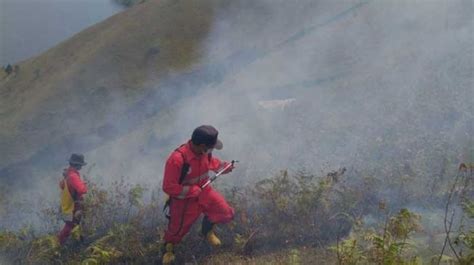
x=69 y=225
x=183 y=213
x=64 y=234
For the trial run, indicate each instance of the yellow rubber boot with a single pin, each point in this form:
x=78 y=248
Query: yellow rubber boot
x=213 y=239
x=76 y=233
x=168 y=255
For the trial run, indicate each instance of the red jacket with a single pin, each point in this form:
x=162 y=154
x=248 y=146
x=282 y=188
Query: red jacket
x=198 y=173
x=76 y=186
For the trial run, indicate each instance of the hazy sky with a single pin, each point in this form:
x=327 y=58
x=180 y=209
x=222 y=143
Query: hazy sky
x=29 y=27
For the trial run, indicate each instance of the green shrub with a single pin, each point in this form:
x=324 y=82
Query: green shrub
x=286 y=213
x=383 y=245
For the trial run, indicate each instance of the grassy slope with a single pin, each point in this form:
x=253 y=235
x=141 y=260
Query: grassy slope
x=69 y=84
x=77 y=91
x=72 y=96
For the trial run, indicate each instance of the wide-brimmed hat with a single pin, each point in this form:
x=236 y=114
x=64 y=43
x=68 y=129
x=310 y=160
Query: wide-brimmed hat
x=77 y=159
x=207 y=134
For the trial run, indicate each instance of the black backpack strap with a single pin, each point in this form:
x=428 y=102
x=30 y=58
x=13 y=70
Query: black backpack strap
x=184 y=172
x=186 y=165
x=185 y=168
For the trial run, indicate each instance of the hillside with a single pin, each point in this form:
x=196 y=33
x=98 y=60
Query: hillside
x=371 y=84
x=350 y=120
x=107 y=80
x=60 y=94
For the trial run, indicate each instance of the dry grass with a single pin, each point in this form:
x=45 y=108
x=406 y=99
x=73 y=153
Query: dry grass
x=292 y=256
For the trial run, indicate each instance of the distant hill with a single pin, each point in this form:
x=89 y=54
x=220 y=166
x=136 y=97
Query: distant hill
x=77 y=87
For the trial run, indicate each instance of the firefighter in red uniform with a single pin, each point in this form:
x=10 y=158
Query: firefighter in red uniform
x=72 y=191
x=186 y=171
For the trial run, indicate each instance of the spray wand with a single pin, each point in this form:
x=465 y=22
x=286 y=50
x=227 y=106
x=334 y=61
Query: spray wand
x=210 y=180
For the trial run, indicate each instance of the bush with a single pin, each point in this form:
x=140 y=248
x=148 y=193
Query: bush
x=291 y=210
x=279 y=219
x=383 y=246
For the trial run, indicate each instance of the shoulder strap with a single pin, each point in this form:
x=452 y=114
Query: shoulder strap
x=185 y=168
x=66 y=184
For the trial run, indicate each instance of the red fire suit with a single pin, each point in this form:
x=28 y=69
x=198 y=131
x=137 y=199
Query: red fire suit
x=188 y=201
x=77 y=188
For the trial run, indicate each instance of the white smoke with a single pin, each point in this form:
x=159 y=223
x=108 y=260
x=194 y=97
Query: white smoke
x=362 y=84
